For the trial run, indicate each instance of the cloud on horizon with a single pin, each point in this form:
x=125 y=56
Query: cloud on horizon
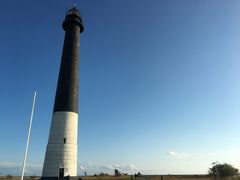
x=15 y=168
x=177 y=154
x=107 y=168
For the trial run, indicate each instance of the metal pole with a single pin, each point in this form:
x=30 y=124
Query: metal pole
x=28 y=136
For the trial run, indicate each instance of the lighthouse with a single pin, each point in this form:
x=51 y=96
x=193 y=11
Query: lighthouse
x=61 y=152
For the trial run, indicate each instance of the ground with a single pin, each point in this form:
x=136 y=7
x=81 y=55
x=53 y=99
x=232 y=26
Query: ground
x=144 y=177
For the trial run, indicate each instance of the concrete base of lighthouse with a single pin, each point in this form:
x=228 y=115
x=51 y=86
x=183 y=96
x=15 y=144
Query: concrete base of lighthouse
x=65 y=178
x=61 y=154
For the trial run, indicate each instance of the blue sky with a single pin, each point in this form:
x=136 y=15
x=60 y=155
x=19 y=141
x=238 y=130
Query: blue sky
x=159 y=83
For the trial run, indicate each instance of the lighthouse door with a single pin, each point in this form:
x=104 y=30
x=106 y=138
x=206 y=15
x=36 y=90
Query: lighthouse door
x=61 y=173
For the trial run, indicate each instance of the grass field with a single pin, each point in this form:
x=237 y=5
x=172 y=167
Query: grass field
x=144 y=177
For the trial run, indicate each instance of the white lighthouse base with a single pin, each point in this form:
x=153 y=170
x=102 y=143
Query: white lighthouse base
x=61 y=154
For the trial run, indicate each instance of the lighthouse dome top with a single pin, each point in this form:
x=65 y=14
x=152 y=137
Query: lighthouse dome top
x=73 y=10
x=73 y=17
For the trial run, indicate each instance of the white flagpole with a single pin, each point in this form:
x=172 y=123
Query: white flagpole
x=28 y=136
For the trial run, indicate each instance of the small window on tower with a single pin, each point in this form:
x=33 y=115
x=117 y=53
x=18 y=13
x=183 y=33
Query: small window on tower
x=64 y=141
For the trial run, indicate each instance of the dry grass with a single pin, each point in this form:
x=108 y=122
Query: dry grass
x=150 y=177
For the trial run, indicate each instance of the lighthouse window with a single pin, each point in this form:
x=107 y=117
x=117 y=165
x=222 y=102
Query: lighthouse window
x=64 y=141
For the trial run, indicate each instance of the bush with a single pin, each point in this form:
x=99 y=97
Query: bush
x=9 y=176
x=117 y=173
x=222 y=170
x=103 y=174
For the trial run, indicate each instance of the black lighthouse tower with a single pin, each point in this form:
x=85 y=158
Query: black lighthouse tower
x=61 y=153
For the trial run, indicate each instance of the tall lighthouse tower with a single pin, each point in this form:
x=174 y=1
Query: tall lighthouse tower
x=61 y=153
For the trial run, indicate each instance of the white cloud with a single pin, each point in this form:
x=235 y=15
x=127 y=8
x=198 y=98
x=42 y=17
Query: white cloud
x=9 y=164
x=82 y=168
x=177 y=154
x=106 y=168
x=116 y=165
x=14 y=168
x=133 y=167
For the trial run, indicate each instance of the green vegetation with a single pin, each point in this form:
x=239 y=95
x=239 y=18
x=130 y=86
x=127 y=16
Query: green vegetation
x=222 y=170
x=117 y=173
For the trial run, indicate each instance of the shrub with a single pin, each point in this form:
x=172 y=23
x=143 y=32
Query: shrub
x=222 y=170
